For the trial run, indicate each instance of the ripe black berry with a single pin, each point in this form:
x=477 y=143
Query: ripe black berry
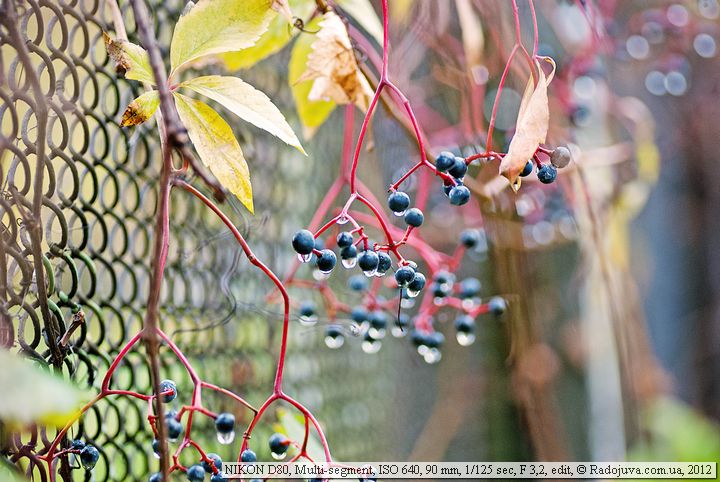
x=384 y=262
x=359 y=314
x=470 y=238
x=404 y=275
x=216 y=460
x=278 y=444
x=398 y=202
x=156 y=477
x=459 y=195
x=447 y=188
x=368 y=262
x=195 y=473
x=527 y=170
x=174 y=428
x=414 y=217
x=303 y=242
x=434 y=340
x=469 y=287
x=217 y=477
x=459 y=168
x=248 y=455
x=156 y=447
x=344 y=239
x=326 y=261
x=560 y=157
x=417 y=284
x=77 y=444
x=444 y=161
x=225 y=422
x=166 y=386
x=357 y=283
x=547 y=174
x=307 y=309
x=89 y=456
x=465 y=324
x=497 y=305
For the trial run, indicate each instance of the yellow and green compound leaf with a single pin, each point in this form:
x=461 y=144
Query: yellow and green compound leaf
x=312 y=113
x=141 y=109
x=217 y=147
x=248 y=103
x=131 y=58
x=218 y=26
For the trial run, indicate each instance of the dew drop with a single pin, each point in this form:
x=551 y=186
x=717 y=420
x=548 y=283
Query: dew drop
x=370 y=273
x=439 y=301
x=349 y=262
x=334 y=342
x=371 y=346
x=465 y=339
x=320 y=275
x=155 y=454
x=469 y=303
x=412 y=293
x=376 y=333
x=399 y=213
x=380 y=274
x=278 y=456
x=226 y=438
x=308 y=320
x=432 y=356
x=304 y=258
x=398 y=331
x=422 y=349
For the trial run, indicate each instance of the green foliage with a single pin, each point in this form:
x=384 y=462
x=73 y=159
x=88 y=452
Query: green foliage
x=293 y=426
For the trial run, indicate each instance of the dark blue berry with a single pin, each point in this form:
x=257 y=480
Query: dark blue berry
x=469 y=287
x=439 y=290
x=359 y=314
x=166 y=386
x=303 y=242
x=459 y=195
x=443 y=277
x=547 y=174
x=195 y=473
x=402 y=320
x=459 y=168
x=418 y=338
x=217 y=477
x=89 y=456
x=444 y=161
x=497 y=305
x=434 y=339
x=334 y=331
x=447 y=188
x=174 y=428
x=368 y=260
x=418 y=282
x=326 y=261
x=398 y=202
x=248 y=455
x=156 y=477
x=225 y=422
x=348 y=252
x=470 y=238
x=156 y=446
x=560 y=157
x=527 y=170
x=465 y=324
x=344 y=239
x=378 y=319
x=77 y=444
x=404 y=275
x=171 y=414
x=307 y=309
x=414 y=217
x=384 y=262
x=358 y=283
x=278 y=443
x=216 y=460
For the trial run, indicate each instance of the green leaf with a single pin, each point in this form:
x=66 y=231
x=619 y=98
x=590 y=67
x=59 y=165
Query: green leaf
x=141 y=109
x=278 y=35
x=293 y=425
x=246 y=102
x=217 y=26
x=217 y=147
x=312 y=113
x=364 y=14
x=131 y=58
x=33 y=395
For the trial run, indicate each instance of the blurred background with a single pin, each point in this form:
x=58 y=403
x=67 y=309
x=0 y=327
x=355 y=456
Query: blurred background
x=610 y=346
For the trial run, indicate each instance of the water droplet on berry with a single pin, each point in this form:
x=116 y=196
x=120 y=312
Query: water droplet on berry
x=412 y=293
x=469 y=303
x=370 y=273
x=320 y=275
x=380 y=274
x=465 y=339
x=376 y=333
x=407 y=303
x=304 y=258
x=371 y=346
x=308 y=320
x=226 y=438
x=399 y=213
x=398 y=331
x=433 y=355
x=334 y=342
x=155 y=454
x=278 y=456
x=422 y=350
x=349 y=263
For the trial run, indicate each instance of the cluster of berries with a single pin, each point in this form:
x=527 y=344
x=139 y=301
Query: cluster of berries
x=546 y=173
x=457 y=167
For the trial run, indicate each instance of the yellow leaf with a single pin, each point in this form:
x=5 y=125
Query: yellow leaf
x=364 y=14
x=140 y=109
x=132 y=59
x=217 y=26
x=246 y=102
x=333 y=68
x=32 y=395
x=531 y=128
x=217 y=147
x=278 y=35
x=312 y=113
